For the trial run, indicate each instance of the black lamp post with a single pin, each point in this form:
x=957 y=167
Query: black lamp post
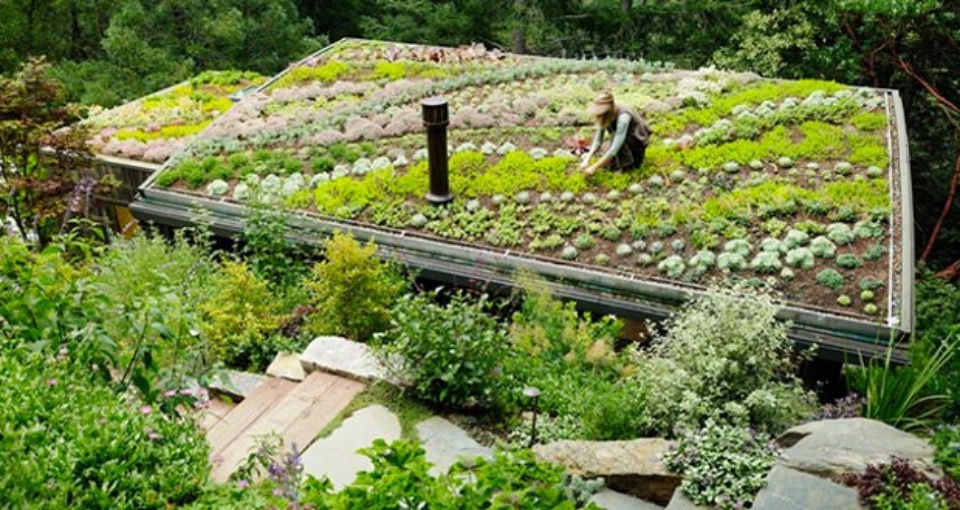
x=436 y=117
x=533 y=394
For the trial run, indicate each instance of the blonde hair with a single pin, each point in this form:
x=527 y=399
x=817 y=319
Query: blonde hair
x=603 y=108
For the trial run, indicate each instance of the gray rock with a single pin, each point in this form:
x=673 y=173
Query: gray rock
x=789 y=489
x=341 y=356
x=236 y=385
x=613 y=500
x=832 y=448
x=680 y=501
x=286 y=365
x=632 y=467
x=336 y=457
x=446 y=443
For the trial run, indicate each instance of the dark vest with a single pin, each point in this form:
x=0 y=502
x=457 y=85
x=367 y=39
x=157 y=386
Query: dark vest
x=638 y=131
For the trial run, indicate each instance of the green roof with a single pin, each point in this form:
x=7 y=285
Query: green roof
x=779 y=184
x=154 y=127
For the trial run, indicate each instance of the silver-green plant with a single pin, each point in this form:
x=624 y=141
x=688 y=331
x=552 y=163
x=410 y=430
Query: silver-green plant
x=725 y=358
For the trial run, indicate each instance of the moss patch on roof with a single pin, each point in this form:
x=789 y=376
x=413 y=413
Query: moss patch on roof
x=781 y=184
x=155 y=127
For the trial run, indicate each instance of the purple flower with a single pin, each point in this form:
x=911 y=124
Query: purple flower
x=153 y=436
x=278 y=492
x=146 y=409
x=169 y=393
x=243 y=484
x=51 y=382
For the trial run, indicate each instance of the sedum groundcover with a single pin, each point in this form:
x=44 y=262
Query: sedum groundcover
x=781 y=184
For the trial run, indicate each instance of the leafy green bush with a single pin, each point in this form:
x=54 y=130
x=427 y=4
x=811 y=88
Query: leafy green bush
x=557 y=349
x=899 y=485
x=946 y=440
x=352 y=290
x=148 y=280
x=722 y=466
x=450 y=354
x=271 y=255
x=906 y=397
x=71 y=441
x=400 y=478
x=830 y=278
x=239 y=317
x=726 y=358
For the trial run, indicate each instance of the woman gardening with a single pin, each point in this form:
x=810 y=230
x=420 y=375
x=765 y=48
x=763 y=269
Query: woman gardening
x=630 y=131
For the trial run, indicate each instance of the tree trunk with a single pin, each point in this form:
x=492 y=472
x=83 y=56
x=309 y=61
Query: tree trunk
x=519 y=36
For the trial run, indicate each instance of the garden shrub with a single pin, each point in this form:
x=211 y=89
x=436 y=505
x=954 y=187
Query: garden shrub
x=270 y=254
x=239 y=317
x=830 y=278
x=823 y=247
x=71 y=441
x=946 y=440
x=352 y=290
x=726 y=358
x=557 y=349
x=900 y=485
x=400 y=478
x=722 y=466
x=452 y=355
x=938 y=323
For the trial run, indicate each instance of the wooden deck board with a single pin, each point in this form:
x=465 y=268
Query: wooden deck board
x=297 y=418
x=214 y=413
x=313 y=419
x=241 y=417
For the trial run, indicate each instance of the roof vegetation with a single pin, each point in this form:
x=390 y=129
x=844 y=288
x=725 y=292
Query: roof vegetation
x=771 y=182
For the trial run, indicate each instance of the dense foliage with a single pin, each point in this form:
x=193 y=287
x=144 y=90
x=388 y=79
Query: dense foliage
x=900 y=484
x=725 y=358
x=352 y=290
x=722 y=466
x=70 y=441
x=451 y=354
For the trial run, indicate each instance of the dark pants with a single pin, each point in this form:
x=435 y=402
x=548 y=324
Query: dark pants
x=630 y=156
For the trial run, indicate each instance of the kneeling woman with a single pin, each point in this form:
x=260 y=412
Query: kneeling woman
x=631 y=135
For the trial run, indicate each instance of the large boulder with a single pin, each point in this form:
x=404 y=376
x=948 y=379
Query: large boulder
x=789 y=489
x=342 y=357
x=833 y=448
x=632 y=467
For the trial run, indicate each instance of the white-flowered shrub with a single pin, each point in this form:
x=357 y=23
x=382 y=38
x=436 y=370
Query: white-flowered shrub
x=823 y=247
x=673 y=266
x=728 y=262
x=840 y=233
x=218 y=188
x=726 y=358
x=795 y=238
x=739 y=246
x=766 y=262
x=800 y=257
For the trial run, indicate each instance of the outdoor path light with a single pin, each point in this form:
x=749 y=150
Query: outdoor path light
x=436 y=117
x=533 y=394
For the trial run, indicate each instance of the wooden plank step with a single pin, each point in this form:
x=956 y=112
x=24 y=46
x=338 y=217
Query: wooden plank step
x=241 y=417
x=214 y=413
x=303 y=431
x=298 y=417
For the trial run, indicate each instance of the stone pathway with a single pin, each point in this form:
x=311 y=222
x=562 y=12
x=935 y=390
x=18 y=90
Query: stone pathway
x=336 y=457
x=613 y=500
x=447 y=443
